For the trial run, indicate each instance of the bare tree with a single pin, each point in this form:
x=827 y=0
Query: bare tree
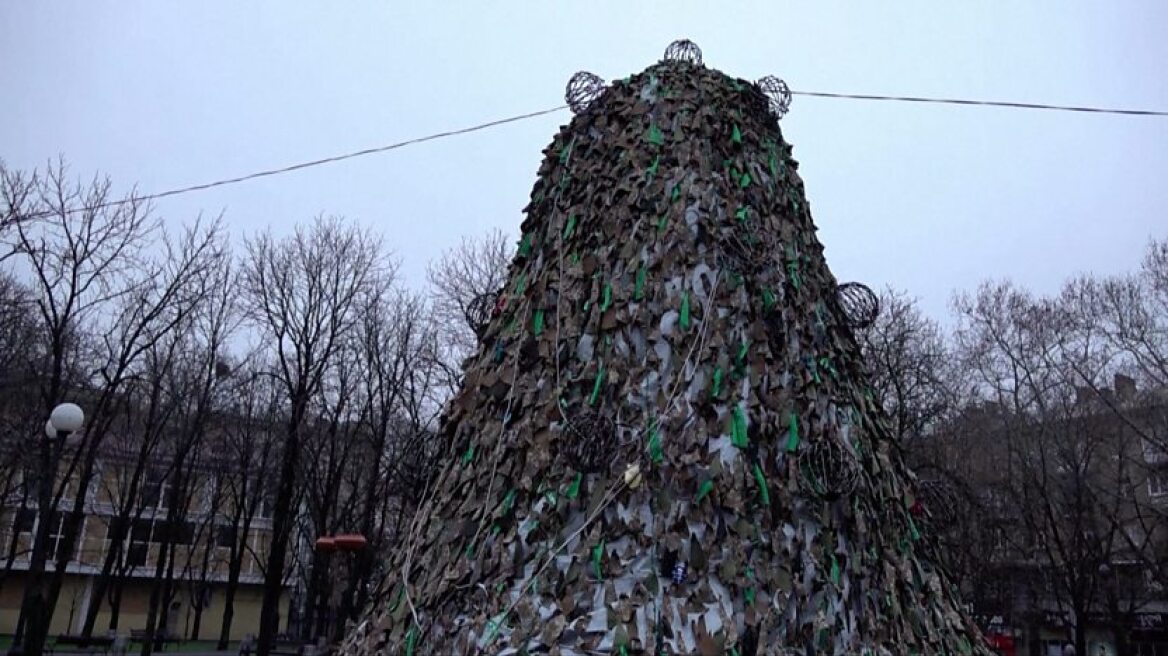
x=476 y=268
x=195 y=385
x=19 y=342
x=1063 y=464
x=102 y=296
x=909 y=365
x=18 y=204
x=303 y=293
x=248 y=434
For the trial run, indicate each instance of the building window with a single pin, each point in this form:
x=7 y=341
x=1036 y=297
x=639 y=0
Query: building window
x=1158 y=483
x=136 y=554
x=139 y=543
x=146 y=531
x=1154 y=452
x=25 y=520
x=155 y=489
x=267 y=503
x=56 y=534
x=225 y=537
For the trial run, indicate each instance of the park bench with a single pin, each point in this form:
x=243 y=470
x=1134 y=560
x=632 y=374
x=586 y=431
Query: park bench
x=287 y=648
x=75 y=644
x=283 y=646
x=160 y=640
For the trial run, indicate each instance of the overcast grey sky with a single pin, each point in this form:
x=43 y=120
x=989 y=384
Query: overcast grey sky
x=928 y=198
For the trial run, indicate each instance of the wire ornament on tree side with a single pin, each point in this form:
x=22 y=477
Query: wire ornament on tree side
x=829 y=470
x=590 y=442
x=742 y=254
x=860 y=304
x=939 y=498
x=479 y=311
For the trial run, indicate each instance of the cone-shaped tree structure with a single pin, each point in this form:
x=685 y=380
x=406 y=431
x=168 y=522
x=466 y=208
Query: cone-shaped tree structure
x=666 y=443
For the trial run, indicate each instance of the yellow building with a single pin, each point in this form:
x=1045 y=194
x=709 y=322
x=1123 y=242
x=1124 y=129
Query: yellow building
x=201 y=544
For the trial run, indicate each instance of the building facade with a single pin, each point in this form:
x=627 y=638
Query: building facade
x=204 y=540
x=1062 y=521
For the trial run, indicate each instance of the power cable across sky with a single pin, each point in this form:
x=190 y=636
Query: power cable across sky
x=552 y=110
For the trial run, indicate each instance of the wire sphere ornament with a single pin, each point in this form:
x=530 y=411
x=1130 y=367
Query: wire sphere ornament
x=478 y=312
x=778 y=95
x=940 y=498
x=583 y=89
x=684 y=50
x=830 y=470
x=742 y=254
x=860 y=304
x=591 y=441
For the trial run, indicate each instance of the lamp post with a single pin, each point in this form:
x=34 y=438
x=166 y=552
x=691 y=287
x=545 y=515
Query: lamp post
x=338 y=609
x=35 y=612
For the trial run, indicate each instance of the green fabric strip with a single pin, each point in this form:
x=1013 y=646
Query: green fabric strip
x=706 y=487
x=792 y=432
x=762 y=485
x=656 y=454
x=655 y=135
x=596 y=386
x=738 y=428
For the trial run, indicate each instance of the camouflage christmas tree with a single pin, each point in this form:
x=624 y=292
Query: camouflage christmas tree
x=666 y=443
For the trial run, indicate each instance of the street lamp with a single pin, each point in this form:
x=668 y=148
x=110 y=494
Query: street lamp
x=66 y=419
x=339 y=609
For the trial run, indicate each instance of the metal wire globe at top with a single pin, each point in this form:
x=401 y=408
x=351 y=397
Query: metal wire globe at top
x=778 y=95
x=684 y=50
x=583 y=89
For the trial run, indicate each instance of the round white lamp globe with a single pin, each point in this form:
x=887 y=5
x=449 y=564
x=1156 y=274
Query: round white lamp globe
x=67 y=417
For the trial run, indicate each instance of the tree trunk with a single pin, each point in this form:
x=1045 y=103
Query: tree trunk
x=156 y=593
x=10 y=556
x=197 y=624
x=119 y=587
x=36 y=609
x=234 y=569
x=282 y=520
x=122 y=529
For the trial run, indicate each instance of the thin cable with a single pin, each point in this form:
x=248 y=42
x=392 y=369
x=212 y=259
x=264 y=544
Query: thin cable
x=986 y=103
x=304 y=165
x=520 y=117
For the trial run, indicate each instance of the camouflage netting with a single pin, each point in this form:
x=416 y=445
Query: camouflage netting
x=666 y=443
